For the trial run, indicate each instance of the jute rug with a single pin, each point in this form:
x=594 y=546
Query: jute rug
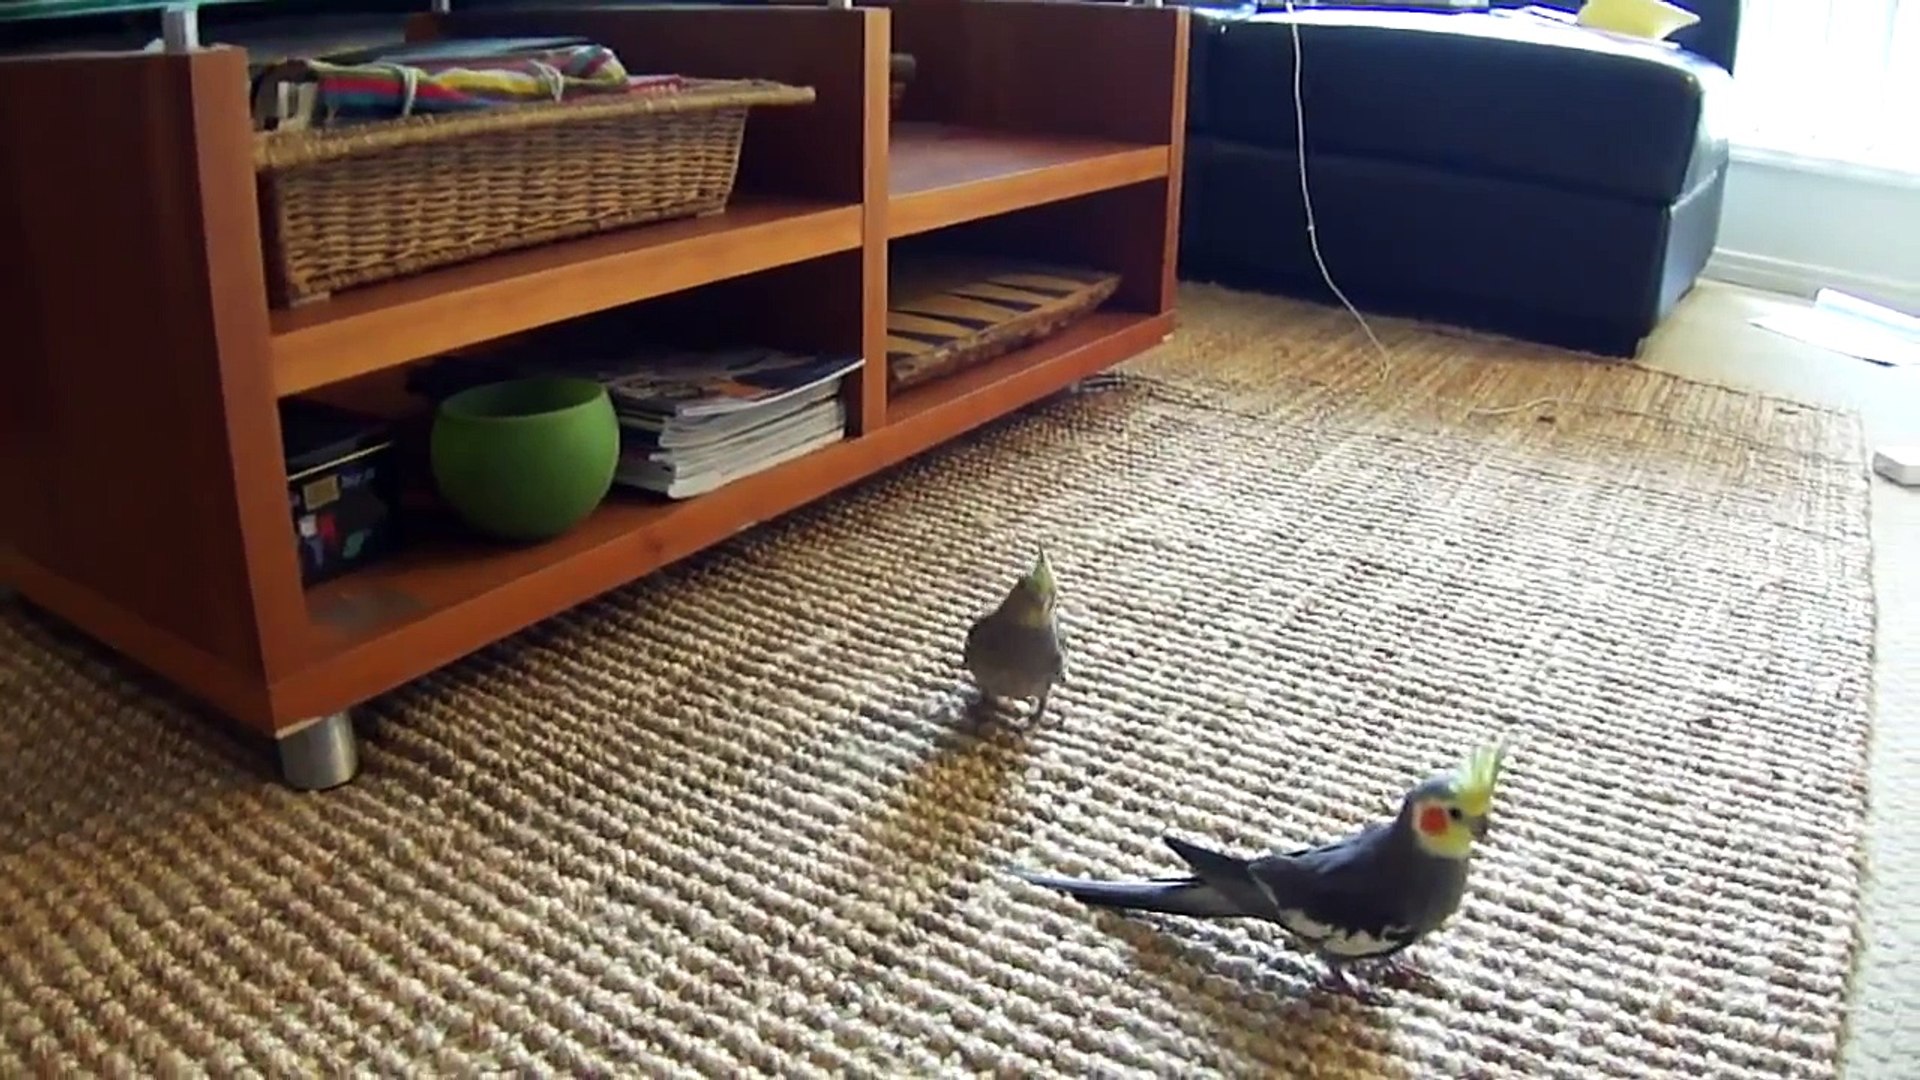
x=729 y=821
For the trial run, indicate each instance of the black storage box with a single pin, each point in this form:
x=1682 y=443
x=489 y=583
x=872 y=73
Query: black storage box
x=342 y=487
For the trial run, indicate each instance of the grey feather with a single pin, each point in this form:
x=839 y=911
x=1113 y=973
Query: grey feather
x=1012 y=659
x=1169 y=896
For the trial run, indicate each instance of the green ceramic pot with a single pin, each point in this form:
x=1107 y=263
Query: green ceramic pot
x=526 y=459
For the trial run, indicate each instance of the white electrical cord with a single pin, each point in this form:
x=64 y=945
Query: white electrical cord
x=1306 y=194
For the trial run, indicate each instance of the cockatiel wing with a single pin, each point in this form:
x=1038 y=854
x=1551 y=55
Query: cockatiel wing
x=1229 y=876
x=1324 y=896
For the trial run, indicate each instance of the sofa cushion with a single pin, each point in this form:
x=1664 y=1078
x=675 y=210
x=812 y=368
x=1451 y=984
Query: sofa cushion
x=1477 y=92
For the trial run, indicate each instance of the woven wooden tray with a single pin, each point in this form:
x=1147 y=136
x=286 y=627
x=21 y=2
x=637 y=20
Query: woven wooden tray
x=949 y=312
x=355 y=205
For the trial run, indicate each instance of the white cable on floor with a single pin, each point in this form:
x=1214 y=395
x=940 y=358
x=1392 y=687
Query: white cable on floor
x=1383 y=355
x=1306 y=195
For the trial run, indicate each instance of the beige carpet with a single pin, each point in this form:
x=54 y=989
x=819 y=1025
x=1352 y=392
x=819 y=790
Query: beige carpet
x=728 y=822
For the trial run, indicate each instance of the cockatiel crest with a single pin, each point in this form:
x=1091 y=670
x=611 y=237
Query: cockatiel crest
x=1449 y=813
x=1032 y=597
x=1478 y=776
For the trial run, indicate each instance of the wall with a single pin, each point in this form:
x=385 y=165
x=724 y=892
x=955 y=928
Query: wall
x=1795 y=226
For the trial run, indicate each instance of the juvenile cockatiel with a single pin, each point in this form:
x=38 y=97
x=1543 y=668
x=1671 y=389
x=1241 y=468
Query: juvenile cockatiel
x=1014 y=651
x=1364 y=897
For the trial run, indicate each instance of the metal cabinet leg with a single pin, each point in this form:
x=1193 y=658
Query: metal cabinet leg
x=319 y=754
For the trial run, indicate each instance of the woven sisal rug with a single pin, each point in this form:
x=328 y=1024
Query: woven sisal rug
x=729 y=821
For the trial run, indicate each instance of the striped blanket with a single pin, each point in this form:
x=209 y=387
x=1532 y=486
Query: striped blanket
x=318 y=93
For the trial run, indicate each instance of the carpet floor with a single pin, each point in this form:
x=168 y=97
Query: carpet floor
x=731 y=820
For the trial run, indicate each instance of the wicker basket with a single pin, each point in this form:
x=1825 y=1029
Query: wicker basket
x=947 y=313
x=354 y=205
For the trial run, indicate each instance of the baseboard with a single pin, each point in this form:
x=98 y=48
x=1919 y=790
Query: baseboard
x=1825 y=168
x=1805 y=279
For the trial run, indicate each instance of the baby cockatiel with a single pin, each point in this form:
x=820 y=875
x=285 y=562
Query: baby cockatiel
x=1014 y=651
x=1364 y=897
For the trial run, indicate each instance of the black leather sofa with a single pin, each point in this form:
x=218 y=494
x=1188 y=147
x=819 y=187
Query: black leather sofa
x=1470 y=168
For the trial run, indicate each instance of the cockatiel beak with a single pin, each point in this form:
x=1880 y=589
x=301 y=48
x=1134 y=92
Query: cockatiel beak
x=1040 y=577
x=1030 y=601
x=1478 y=826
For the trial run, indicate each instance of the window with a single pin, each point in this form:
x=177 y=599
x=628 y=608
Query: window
x=1832 y=79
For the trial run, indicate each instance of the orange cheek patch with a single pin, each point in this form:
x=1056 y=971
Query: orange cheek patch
x=1433 y=821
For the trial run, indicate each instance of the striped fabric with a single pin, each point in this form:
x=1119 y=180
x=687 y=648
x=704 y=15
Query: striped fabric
x=348 y=93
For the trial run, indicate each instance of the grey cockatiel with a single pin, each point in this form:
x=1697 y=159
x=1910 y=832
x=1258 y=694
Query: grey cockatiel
x=1014 y=651
x=1364 y=897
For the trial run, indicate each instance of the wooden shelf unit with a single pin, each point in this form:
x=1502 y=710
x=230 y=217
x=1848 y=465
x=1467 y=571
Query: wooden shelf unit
x=140 y=458
x=376 y=327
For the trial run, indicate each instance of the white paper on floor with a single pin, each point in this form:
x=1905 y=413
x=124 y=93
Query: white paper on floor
x=1850 y=326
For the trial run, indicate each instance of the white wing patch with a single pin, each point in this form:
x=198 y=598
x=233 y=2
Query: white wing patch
x=1334 y=941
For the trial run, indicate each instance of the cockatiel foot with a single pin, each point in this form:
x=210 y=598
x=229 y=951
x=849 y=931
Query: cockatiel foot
x=1338 y=980
x=1403 y=972
x=1032 y=719
x=976 y=704
x=986 y=709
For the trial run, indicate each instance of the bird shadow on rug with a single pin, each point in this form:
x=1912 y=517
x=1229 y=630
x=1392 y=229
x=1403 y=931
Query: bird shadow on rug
x=1264 y=1013
x=949 y=807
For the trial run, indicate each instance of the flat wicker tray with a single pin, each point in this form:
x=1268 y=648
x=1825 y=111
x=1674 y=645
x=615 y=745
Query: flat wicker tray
x=355 y=205
x=949 y=312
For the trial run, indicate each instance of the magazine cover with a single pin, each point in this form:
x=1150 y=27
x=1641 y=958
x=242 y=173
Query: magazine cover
x=682 y=384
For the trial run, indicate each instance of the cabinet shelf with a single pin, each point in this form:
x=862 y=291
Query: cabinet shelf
x=448 y=594
x=381 y=326
x=942 y=174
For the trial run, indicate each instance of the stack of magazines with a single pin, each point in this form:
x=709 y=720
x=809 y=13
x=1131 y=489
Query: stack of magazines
x=691 y=420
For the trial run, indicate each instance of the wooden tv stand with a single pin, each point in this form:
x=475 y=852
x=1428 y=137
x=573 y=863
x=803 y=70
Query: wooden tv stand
x=141 y=469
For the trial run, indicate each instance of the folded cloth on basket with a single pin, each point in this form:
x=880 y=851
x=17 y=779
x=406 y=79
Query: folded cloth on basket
x=317 y=93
